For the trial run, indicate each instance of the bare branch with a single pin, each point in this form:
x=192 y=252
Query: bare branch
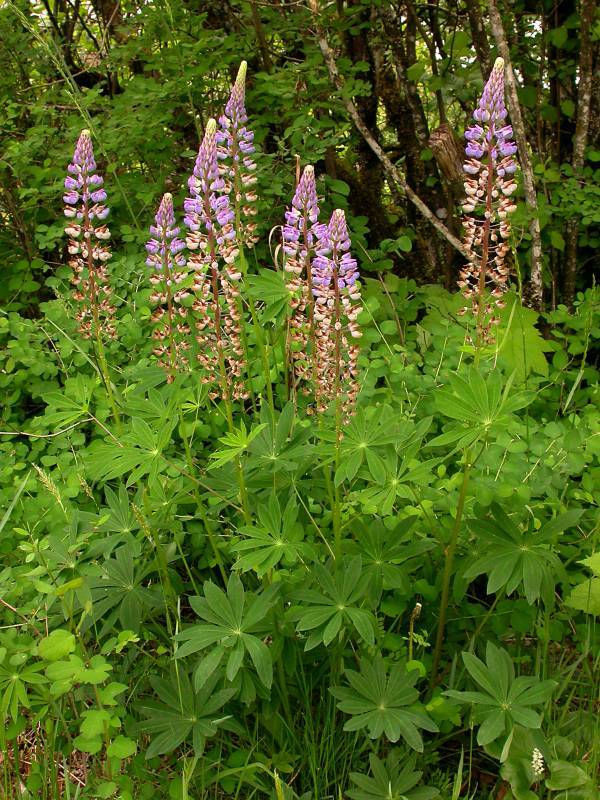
x=582 y=125
x=390 y=168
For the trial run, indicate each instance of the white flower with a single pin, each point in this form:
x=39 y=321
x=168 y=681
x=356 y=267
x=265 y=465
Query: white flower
x=537 y=763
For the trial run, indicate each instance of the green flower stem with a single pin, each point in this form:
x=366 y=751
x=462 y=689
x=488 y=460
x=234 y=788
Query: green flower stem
x=200 y=506
x=258 y=332
x=96 y=326
x=103 y=366
x=169 y=593
x=448 y=564
x=483 y=623
x=337 y=527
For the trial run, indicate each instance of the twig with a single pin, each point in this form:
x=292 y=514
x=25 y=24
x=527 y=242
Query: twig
x=584 y=101
x=390 y=168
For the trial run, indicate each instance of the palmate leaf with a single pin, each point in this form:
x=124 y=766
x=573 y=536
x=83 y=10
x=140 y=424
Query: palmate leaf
x=400 y=477
x=370 y=437
x=270 y=287
x=234 y=444
x=120 y=593
x=384 y=704
x=393 y=779
x=278 y=537
x=327 y=612
x=181 y=714
x=505 y=700
x=512 y=557
x=16 y=682
x=280 y=448
x=232 y=621
x=483 y=405
x=388 y=555
x=139 y=455
x=65 y=408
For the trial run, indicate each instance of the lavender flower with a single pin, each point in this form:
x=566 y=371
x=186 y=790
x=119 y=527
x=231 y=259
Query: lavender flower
x=212 y=238
x=235 y=148
x=299 y=239
x=85 y=211
x=166 y=258
x=336 y=291
x=489 y=185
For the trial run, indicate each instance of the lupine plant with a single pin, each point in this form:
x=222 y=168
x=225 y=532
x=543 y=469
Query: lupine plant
x=167 y=261
x=489 y=185
x=312 y=545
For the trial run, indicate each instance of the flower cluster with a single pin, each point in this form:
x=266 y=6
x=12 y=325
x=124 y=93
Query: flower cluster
x=235 y=146
x=537 y=763
x=167 y=260
x=299 y=239
x=336 y=291
x=211 y=238
x=490 y=168
x=88 y=235
x=197 y=296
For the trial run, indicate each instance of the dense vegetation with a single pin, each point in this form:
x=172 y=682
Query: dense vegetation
x=299 y=490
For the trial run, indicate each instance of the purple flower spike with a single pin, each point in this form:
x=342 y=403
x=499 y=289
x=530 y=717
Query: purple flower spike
x=235 y=148
x=208 y=214
x=337 y=306
x=333 y=261
x=299 y=230
x=84 y=208
x=299 y=239
x=489 y=185
x=166 y=258
x=212 y=239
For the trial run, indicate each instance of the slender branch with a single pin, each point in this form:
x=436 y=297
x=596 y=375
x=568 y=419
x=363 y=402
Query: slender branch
x=582 y=124
x=390 y=168
x=260 y=35
x=479 y=37
x=536 y=288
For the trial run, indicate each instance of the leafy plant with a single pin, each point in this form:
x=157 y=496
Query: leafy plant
x=384 y=703
x=231 y=623
x=327 y=611
x=182 y=713
x=512 y=557
x=393 y=779
x=505 y=700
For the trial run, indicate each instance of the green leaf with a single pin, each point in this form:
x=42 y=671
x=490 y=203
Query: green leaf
x=521 y=347
x=384 y=703
x=586 y=597
x=566 y=776
x=492 y=727
x=182 y=714
x=121 y=747
x=57 y=645
x=557 y=240
x=505 y=700
x=231 y=622
x=481 y=674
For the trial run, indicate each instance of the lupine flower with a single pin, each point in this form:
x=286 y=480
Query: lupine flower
x=299 y=239
x=86 y=211
x=211 y=238
x=167 y=260
x=235 y=145
x=489 y=185
x=336 y=291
